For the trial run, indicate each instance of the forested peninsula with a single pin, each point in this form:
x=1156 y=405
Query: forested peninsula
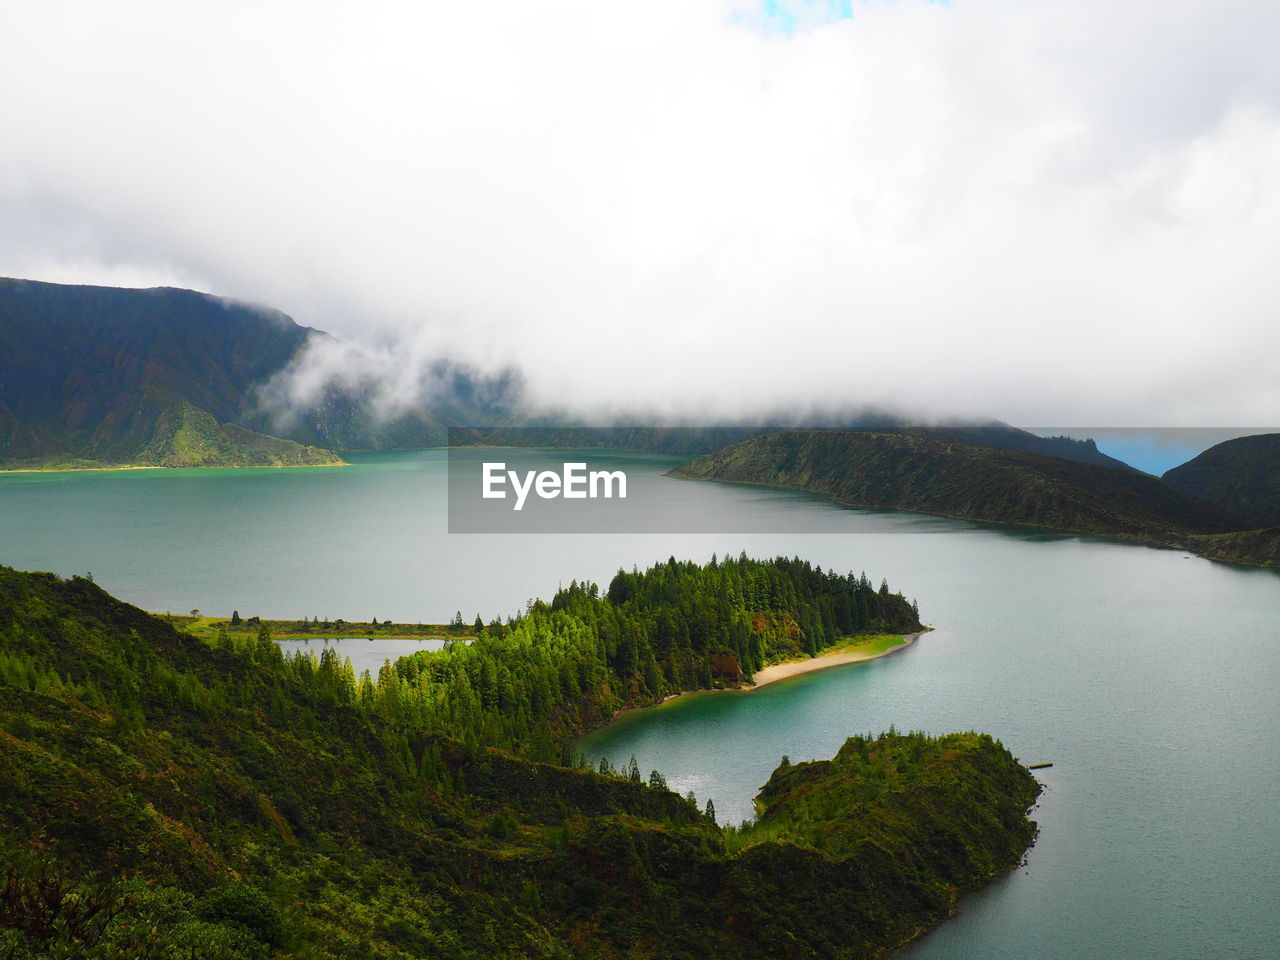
x=168 y=796
x=923 y=473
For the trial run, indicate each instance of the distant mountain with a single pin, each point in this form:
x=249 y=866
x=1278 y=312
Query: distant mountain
x=102 y=376
x=1241 y=476
x=927 y=474
x=99 y=376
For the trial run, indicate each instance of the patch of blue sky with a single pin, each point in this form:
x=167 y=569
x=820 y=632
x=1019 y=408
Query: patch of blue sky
x=790 y=16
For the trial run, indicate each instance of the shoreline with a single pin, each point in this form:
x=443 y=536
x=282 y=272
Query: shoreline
x=837 y=658
x=221 y=466
x=775 y=672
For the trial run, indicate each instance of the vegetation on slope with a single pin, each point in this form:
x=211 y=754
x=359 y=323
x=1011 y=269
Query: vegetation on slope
x=98 y=376
x=1240 y=476
x=1255 y=548
x=102 y=376
x=164 y=797
x=912 y=817
x=928 y=475
x=186 y=436
x=1001 y=436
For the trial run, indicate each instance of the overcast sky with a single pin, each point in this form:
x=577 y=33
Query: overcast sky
x=1049 y=212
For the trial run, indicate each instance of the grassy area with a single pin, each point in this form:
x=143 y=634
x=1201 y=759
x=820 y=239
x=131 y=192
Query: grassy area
x=867 y=646
x=206 y=628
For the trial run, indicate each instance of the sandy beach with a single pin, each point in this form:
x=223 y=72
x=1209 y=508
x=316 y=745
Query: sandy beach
x=793 y=668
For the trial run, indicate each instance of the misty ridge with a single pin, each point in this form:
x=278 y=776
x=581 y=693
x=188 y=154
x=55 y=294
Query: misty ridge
x=104 y=376
x=351 y=396
x=394 y=382
x=368 y=397
x=356 y=395
x=171 y=377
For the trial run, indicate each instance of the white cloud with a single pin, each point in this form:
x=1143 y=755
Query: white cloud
x=1040 y=211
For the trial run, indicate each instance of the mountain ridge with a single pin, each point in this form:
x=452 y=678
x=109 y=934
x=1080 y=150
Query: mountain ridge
x=947 y=478
x=106 y=376
x=1240 y=476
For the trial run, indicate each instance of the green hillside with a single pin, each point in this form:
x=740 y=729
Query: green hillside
x=164 y=797
x=99 y=376
x=104 y=376
x=1241 y=477
x=928 y=474
x=1257 y=548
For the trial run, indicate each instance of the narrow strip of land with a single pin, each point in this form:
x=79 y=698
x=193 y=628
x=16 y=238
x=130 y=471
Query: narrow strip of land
x=857 y=652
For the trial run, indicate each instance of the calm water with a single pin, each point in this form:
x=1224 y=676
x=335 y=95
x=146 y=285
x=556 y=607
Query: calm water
x=365 y=653
x=1149 y=679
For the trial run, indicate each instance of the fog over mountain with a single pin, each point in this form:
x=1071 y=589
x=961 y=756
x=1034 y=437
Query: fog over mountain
x=1042 y=212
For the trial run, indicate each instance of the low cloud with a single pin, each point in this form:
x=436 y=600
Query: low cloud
x=1043 y=212
x=386 y=382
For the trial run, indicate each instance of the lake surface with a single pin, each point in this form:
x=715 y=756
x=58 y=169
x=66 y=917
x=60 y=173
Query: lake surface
x=1148 y=678
x=365 y=653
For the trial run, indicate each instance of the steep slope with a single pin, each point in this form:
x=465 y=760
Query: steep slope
x=1241 y=476
x=159 y=797
x=106 y=376
x=929 y=475
x=97 y=375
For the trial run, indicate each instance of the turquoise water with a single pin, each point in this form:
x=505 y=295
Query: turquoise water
x=1148 y=678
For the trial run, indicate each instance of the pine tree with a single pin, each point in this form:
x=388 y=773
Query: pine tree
x=710 y=811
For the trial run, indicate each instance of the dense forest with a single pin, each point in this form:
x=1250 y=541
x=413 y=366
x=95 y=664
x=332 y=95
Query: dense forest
x=533 y=683
x=164 y=796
